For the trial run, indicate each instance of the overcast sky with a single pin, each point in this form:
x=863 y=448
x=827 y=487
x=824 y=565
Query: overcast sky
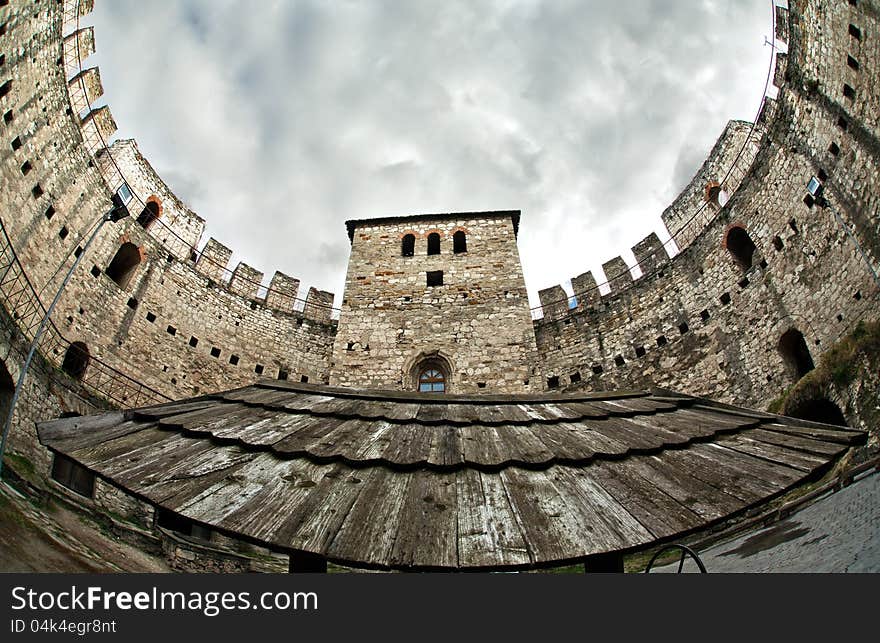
x=277 y=121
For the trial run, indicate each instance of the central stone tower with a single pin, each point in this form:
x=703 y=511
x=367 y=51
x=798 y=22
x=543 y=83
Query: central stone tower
x=437 y=303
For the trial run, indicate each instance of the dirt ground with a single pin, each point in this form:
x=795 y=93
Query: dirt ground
x=56 y=539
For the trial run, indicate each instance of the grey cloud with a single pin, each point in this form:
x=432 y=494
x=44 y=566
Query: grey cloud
x=280 y=122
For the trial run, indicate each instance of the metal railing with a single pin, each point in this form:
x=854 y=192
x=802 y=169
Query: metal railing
x=20 y=299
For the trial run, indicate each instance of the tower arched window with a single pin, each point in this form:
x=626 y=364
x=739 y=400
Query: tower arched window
x=408 y=245
x=459 y=242
x=740 y=246
x=433 y=244
x=149 y=215
x=795 y=353
x=76 y=360
x=431 y=380
x=124 y=263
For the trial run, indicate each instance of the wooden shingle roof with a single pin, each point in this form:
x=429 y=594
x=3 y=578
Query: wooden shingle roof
x=406 y=481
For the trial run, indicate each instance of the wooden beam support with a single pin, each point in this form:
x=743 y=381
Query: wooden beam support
x=302 y=562
x=604 y=564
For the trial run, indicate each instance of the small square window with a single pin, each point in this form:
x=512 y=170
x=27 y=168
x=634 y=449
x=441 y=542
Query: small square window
x=553 y=382
x=598 y=370
x=834 y=148
x=304 y=379
x=435 y=278
x=193 y=341
x=683 y=328
x=662 y=341
x=26 y=167
x=282 y=375
x=171 y=330
x=215 y=352
x=258 y=369
x=575 y=377
x=37 y=191
x=8 y=117
x=704 y=315
x=151 y=317
x=619 y=361
x=233 y=360
x=16 y=144
x=725 y=298
x=50 y=212
x=640 y=351
x=63 y=232
x=132 y=303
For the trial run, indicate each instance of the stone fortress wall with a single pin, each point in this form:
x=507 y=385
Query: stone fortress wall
x=474 y=325
x=177 y=320
x=713 y=321
x=706 y=322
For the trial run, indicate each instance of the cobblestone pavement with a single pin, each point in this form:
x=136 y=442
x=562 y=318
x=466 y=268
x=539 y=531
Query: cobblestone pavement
x=837 y=533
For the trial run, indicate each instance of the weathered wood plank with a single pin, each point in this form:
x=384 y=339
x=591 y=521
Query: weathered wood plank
x=730 y=480
x=796 y=459
x=446 y=449
x=88 y=438
x=842 y=436
x=132 y=447
x=427 y=535
x=173 y=408
x=368 y=531
x=659 y=512
x=519 y=444
x=608 y=522
x=634 y=436
x=774 y=476
x=311 y=431
x=233 y=492
x=488 y=532
x=703 y=499
x=410 y=445
x=816 y=447
x=552 y=528
x=314 y=523
x=282 y=494
x=52 y=431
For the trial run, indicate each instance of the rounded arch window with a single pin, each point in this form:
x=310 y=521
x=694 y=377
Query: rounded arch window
x=149 y=215
x=124 y=263
x=408 y=245
x=459 y=242
x=795 y=353
x=76 y=360
x=434 y=244
x=431 y=379
x=740 y=246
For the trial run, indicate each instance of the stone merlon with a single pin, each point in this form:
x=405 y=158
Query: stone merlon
x=282 y=292
x=213 y=260
x=245 y=281
x=617 y=274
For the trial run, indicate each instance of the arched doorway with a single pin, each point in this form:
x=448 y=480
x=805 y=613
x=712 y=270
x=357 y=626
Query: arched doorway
x=124 y=263
x=741 y=247
x=149 y=215
x=795 y=353
x=76 y=360
x=820 y=410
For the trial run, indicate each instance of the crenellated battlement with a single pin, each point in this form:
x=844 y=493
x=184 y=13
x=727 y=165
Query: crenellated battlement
x=171 y=222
